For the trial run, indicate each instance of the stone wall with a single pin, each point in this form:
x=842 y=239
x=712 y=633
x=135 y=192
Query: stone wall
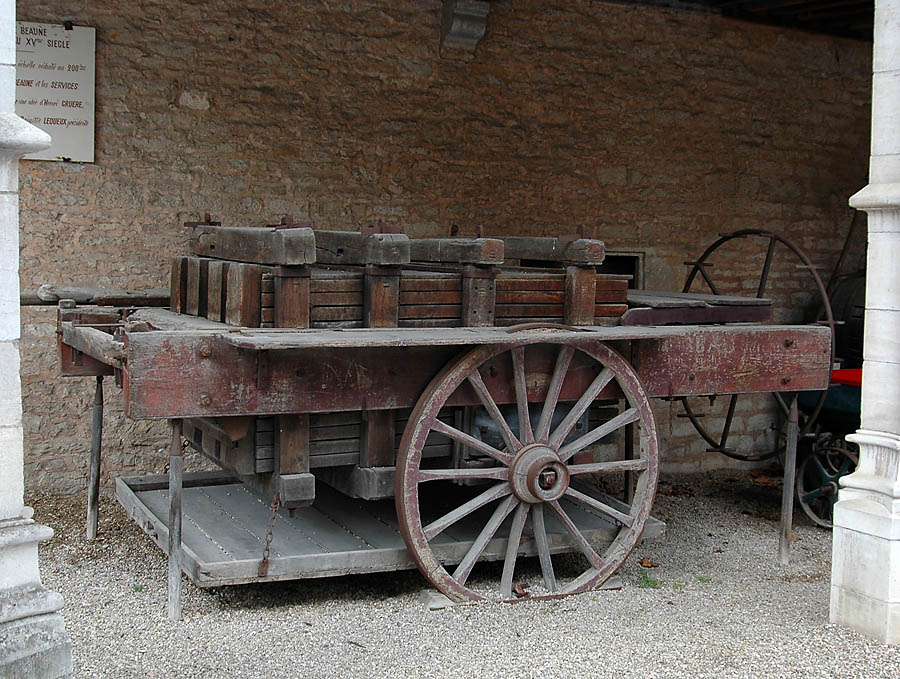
x=659 y=128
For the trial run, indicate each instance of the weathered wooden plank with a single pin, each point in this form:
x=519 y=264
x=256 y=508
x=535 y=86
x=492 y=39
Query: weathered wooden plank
x=354 y=298
x=580 y=294
x=612 y=282
x=538 y=282
x=216 y=290
x=73 y=363
x=93 y=342
x=381 y=293
x=334 y=419
x=335 y=460
x=453 y=322
x=178 y=284
x=354 y=248
x=294 y=246
x=696 y=315
x=577 y=251
x=533 y=296
x=479 y=297
x=430 y=297
x=163 y=319
x=242 y=304
x=715 y=300
x=335 y=313
x=292 y=302
x=93 y=294
x=342 y=283
x=391 y=368
x=377 y=438
x=609 y=310
x=610 y=297
x=413 y=282
x=421 y=311
x=197 y=278
x=293 y=444
x=757 y=359
x=529 y=311
x=335 y=433
x=457 y=250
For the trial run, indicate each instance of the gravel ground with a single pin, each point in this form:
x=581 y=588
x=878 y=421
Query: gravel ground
x=716 y=606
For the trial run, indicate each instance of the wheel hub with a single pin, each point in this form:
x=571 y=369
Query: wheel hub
x=537 y=474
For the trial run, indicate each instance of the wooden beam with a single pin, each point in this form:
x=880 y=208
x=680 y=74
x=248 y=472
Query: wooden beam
x=584 y=251
x=295 y=246
x=456 y=250
x=358 y=249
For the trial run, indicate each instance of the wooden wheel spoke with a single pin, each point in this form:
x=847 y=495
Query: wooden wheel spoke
x=464 y=569
x=562 y=431
x=475 y=379
x=543 y=547
x=608 y=467
x=512 y=550
x=518 y=360
x=729 y=418
x=563 y=359
x=620 y=420
x=436 y=527
x=582 y=542
x=471 y=442
x=498 y=473
x=601 y=507
x=764 y=276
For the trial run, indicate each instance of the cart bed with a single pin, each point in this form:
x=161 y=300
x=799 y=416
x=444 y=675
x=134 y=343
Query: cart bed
x=224 y=531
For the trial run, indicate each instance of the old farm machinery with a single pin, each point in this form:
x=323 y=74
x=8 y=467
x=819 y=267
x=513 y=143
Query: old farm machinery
x=381 y=403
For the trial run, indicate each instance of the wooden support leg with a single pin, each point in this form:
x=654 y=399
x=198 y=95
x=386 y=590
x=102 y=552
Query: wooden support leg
x=93 y=503
x=176 y=469
x=787 y=492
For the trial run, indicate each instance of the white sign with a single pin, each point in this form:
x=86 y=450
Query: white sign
x=55 y=87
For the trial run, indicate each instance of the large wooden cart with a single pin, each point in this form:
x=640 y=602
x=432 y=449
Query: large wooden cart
x=380 y=402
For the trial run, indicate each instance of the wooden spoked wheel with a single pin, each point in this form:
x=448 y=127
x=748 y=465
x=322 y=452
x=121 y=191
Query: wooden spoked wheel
x=532 y=478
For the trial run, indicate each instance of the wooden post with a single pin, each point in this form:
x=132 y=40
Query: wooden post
x=479 y=296
x=381 y=309
x=787 y=492
x=178 y=285
x=581 y=293
x=93 y=503
x=176 y=469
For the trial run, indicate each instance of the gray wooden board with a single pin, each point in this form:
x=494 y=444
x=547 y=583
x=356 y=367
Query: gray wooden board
x=225 y=528
x=289 y=339
x=665 y=298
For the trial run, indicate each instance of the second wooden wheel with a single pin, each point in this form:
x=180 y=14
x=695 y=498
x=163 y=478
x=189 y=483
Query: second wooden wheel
x=529 y=500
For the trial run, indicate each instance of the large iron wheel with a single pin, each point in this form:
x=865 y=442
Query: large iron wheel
x=818 y=479
x=532 y=477
x=700 y=272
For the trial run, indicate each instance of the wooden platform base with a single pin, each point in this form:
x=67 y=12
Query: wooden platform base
x=224 y=530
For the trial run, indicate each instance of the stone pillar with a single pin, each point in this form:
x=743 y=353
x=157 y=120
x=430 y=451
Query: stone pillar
x=33 y=641
x=865 y=571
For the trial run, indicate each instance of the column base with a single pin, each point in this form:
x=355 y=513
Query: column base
x=36 y=647
x=865 y=566
x=33 y=640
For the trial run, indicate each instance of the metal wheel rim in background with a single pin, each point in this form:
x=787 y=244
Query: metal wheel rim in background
x=720 y=445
